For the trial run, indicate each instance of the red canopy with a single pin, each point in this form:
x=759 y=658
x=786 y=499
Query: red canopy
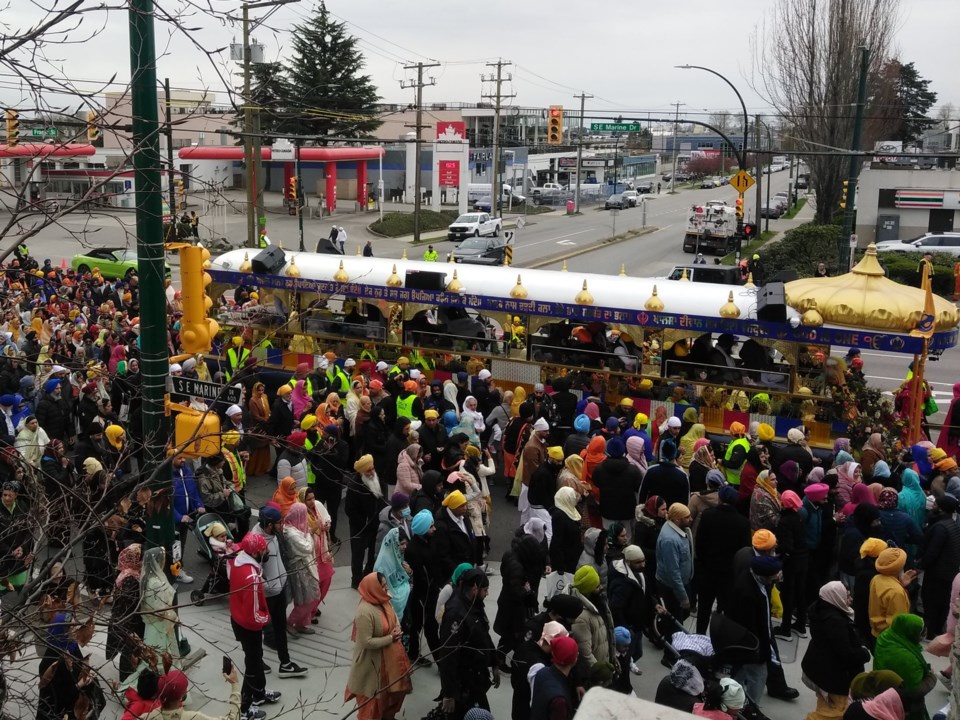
x=321 y=154
x=46 y=150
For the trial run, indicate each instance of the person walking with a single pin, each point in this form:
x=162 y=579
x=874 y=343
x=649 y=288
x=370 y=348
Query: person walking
x=553 y=692
x=423 y=561
x=379 y=670
x=318 y=522
x=430 y=255
x=392 y=566
x=367 y=249
x=722 y=531
x=522 y=567
x=899 y=649
x=940 y=561
x=274 y=574
x=303 y=576
x=454 y=538
x=618 y=482
x=593 y=628
x=248 y=616
x=888 y=594
x=363 y=504
x=675 y=562
x=565 y=544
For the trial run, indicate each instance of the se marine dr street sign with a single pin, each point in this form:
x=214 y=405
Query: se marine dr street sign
x=615 y=127
x=205 y=390
x=742 y=181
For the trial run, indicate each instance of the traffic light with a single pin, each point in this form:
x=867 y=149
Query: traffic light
x=13 y=128
x=179 y=187
x=749 y=230
x=843 y=194
x=739 y=206
x=196 y=329
x=555 y=125
x=292 y=189
x=93 y=132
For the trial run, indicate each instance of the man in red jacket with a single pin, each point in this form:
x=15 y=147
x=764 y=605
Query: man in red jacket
x=248 y=616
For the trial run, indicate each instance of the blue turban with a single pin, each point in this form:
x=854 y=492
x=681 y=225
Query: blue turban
x=8 y=400
x=450 y=420
x=50 y=385
x=420 y=525
x=622 y=635
x=766 y=565
x=581 y=424
x=616 y=448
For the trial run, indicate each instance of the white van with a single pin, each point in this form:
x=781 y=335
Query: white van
x=481 y=191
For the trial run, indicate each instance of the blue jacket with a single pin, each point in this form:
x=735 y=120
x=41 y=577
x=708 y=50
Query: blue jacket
x=674 y=561
x=186 y=494
x=814 y=518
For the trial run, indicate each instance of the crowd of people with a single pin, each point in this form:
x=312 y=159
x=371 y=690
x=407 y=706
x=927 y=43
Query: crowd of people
x=626 y=526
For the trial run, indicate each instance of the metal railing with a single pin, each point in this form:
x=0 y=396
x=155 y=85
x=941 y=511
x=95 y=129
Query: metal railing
x=723 y=374
x=543 y=351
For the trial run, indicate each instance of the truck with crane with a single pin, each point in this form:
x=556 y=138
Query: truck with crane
x=711 y=227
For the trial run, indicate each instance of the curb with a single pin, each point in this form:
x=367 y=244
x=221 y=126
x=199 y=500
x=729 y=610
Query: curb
x=630 y=235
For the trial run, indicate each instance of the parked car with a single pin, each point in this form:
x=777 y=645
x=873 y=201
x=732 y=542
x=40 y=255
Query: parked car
x=803 y=182
x=112 y=262
x=632 y=196
x=782 y=200
x=475 y=224
x=775 y=212
x=480 y=251
x=483 y=204
x=944 y=242
x=618 y=201
x=645 y=187
x=715 y=274
x=710 y=182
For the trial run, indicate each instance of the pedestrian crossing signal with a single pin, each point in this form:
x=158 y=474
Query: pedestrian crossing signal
x=749 y=231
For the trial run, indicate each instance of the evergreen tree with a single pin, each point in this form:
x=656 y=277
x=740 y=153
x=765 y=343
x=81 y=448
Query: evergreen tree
x=270 y=93
x=328 y=94
x=915 y=98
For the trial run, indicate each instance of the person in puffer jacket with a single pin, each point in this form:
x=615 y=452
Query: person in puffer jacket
x=594 y=552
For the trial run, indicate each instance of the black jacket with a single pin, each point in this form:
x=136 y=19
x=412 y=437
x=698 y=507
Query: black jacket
x=625 y=596
x=721 y=532
x=618 y=482
x=791 y=536
x=432 y=442
x=668 y=481
x=421 y=556
x=792 y=451
x=522 y=565
x=566 y=543
x=835 y=654
x=53 y=418
x=468 y=654
x=751 y=609
x=453 y=545
x=281 y=419
x=940 y=552
x=362 y=506
x=396 y=442
x=543 y=485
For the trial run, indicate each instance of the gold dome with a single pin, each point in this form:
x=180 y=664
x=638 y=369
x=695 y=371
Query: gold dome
x=246 y=265
x=749 y=283
x=812 y=316
x=654 y=303
x=292 y=269
x=359 y=253
x=519 y=292
x=450 y=258
x=455 y=285
x=865 y=298
x=623 y=269
x=584 y=297
x=404 y=256
x=684 y=278
x=564 y=268
x=729 y=310
x=394 y=279
x=341 y=275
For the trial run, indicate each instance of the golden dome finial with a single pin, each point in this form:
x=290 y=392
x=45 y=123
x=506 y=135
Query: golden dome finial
x=654 y=303
x=584 y=297
x=684 y=278
x=404 y=256
x=749 y=283
x=812 y=316
x=246 y=265
x=450 y=258
x=623 y=269
x=292 y=270
x=280 y=244
x=455 y=285
x=359 y=252
x=394 y=279
x=564 y=268
x=869 y=265
x=519 y=292
x=729 y=310
x=341 y=275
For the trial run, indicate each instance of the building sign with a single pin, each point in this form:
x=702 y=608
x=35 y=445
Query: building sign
x=449 y=173
x=567 y=162
x=451 y=131
x=921 y=199
x=594 y=162
x=695 y=324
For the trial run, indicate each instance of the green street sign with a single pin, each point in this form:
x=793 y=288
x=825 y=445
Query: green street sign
x=44 y=132
x=615 y=127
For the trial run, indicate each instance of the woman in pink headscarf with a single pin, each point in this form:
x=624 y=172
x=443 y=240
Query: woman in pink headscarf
x=949 y=440
x=118 y=353
x=848 y=475
x=301 y=401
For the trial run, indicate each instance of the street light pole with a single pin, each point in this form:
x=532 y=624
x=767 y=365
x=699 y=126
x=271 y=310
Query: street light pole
x=576 y=193
x=676 y=122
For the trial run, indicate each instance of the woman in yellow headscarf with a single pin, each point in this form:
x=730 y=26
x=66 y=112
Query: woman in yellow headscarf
x=696 y=432
x=519 y=397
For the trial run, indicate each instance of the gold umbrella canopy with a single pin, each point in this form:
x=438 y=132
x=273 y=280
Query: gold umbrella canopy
x=866 y=298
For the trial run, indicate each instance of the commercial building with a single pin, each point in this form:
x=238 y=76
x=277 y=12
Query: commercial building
x=900 y=202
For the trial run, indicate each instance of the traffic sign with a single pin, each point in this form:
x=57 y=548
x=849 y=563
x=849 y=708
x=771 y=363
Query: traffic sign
x=615 y=127
x=49 y=132
x=742 y=181
x=205 y=390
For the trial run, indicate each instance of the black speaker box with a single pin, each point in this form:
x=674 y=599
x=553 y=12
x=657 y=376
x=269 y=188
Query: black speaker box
x=425 y=280
x=771 y=303
x=269 y=261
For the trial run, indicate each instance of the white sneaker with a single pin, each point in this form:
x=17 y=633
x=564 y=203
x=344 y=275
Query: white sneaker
x=184 y=578
x=635 y=670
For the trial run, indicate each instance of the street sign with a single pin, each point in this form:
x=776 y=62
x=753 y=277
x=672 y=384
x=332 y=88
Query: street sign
x=742 y=181
x=615 y=127
x=205 y=390
x=49 y=132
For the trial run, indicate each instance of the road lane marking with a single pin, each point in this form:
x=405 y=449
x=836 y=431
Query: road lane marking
x=555 y=239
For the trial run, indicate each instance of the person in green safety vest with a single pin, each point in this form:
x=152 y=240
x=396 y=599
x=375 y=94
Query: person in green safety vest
x=402 y=366
x=430 y=255
x=309 y=425
x=337 y=381
x=237 y=355
x=736 y=453
x=408 y=401
x=300 y=373
x=262 y=240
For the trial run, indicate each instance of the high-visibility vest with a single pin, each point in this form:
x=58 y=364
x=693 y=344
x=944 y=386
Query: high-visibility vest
x=338 y=380
x=235 y=360
x=395 y=370
x=430 y=255
x=405 y=406
x=733 y=474
x=237 y=471
x=311 y=477
x=368 y=355
x=293 y=384
x=417 y=359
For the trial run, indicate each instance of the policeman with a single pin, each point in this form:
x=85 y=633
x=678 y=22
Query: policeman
x=430 y=255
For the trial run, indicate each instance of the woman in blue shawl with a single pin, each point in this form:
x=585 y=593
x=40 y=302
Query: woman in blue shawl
x=391 y=565
x=912 y=500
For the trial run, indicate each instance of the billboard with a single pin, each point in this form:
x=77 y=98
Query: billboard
x=449 y=173
x=451 y=131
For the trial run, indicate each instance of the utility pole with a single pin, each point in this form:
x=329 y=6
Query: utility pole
x=676 y=123
x=760 y=178
x=418 y=171
x=251 y=126
x=498 y=98
x=170 y=174
x=150 y=257
x=576 y=193
x=853 y=172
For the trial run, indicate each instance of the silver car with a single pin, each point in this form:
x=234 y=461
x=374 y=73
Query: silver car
x=943 y=242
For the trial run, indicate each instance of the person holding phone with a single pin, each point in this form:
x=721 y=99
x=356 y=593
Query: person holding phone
x=172 y=689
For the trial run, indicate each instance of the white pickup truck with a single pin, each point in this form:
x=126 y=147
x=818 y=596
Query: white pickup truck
x=546 y=189
x=474 y=225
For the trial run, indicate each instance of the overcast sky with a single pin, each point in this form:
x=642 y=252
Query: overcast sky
x=624 y=53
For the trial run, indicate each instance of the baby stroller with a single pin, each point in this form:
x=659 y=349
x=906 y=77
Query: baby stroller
x=216 y=582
